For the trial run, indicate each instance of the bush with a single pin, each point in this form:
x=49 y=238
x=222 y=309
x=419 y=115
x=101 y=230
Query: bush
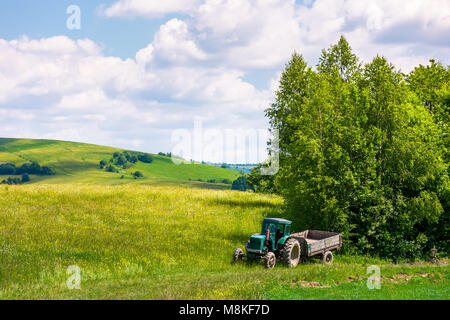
x=133 y=159
x=35 y=168
x=138 y=174
x=261 y=183
x=121 y=160
x=145 y=157
x=124 y=160
x=240 y=184
x=26 y=168
x=47 y=171
x=12 y=181
x=7 y=168
x=25 y=178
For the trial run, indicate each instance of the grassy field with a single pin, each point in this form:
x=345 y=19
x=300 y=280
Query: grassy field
x=167 y=242
x=77 y=163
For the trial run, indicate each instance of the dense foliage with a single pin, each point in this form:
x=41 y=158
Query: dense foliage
x=145 y=157
x=224 y=181
x=364 y=151
x=138 y=174
x=240 y=184
x=11 y=181
x=26 y=168
x=261 y=183
x=168 y=154
x=124 y=160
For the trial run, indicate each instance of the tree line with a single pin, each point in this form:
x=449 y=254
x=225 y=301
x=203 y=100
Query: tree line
x=124 y=160
x=12 y=181
x=364 y=150
x=26 y=168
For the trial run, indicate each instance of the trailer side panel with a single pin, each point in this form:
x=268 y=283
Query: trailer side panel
x=314 y=242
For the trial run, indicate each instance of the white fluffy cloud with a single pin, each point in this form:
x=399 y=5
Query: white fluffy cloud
x=262 y=34
x=65 y=89
x=148 y=8
x=255 y=34
x=174 y=43
x=205 y=64
x=249 y=34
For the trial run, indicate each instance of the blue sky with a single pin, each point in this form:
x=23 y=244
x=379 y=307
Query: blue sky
x=137 y=71
x=46 y=18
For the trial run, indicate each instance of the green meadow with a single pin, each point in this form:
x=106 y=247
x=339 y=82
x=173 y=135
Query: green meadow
x=160 y=238
x=151 y=242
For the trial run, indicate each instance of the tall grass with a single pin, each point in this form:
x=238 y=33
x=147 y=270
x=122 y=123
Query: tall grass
x=137 y=241
x=121 y=232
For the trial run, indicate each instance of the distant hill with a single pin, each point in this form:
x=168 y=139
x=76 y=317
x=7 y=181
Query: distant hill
x=75 y=162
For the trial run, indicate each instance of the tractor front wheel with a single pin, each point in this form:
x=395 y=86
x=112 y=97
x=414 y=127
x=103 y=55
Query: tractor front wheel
x=238 y=254
x=270 y=260
x=291 y=252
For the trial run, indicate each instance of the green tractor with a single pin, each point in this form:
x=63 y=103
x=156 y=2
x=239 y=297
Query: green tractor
x=273 y=241
x=277 y=242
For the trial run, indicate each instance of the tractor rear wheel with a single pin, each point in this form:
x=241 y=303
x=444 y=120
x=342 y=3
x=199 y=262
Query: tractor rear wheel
x=238 y=254
x=291 y=252
x=270 y=260
x=327 y=257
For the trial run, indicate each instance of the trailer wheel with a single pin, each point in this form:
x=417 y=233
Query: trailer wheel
x=291 y=252
x=327 y=257
x=238 y=254
x=270 y=259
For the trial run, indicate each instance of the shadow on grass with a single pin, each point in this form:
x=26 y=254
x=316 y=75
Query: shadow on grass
x=244 y=204
x=240 y=237
x=5 y=141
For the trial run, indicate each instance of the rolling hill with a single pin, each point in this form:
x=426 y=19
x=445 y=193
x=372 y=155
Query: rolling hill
x=79 y=163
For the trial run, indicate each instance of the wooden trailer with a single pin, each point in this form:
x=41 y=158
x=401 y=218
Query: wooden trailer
x=314 y=243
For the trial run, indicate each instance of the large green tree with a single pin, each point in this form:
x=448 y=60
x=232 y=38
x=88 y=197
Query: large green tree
x=359 y=153
x=431 y=84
